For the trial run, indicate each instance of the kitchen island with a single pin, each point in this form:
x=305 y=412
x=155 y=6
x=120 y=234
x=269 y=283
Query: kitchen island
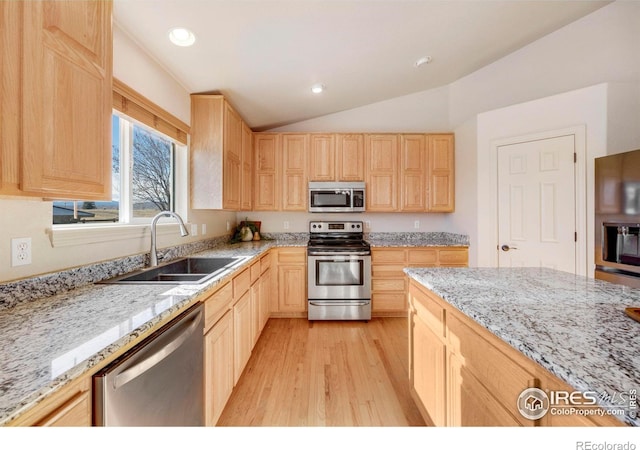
x=571 y=326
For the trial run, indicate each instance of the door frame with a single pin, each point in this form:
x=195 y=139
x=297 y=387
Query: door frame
x=580 y=148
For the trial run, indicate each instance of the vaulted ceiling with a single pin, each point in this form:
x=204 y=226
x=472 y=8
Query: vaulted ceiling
x=264 y=55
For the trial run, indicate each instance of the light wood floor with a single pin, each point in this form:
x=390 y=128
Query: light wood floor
x=305 y=373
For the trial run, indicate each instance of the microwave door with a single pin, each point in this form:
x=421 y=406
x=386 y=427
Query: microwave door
x=327 y=200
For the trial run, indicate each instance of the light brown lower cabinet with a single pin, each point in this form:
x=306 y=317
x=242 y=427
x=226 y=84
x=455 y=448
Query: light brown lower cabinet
x=291 y=300
x=388 y=282
x=218 y=360
x=462 y=375
x=70 y=407
x=235 y=315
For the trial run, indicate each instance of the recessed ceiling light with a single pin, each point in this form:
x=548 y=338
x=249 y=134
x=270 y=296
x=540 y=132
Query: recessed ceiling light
x=317 y=88
x=182 y=36
x=422 y=61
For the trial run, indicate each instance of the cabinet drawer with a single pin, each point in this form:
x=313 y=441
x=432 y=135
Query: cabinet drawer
x=388 y=301
x=387 y=271
x=391 y=284
x=216 y=305
x=265 y=263
x=241 y=283
x=294 y=255
x=501 y=375
x=471 y=404
x=423 y=257
x=393 y=256
x=431 y=313
x=459 y=257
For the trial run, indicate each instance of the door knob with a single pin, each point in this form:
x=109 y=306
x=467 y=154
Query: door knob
x=506 y=248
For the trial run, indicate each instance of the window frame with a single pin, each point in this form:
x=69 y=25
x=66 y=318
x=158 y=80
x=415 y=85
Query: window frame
x=137 y=108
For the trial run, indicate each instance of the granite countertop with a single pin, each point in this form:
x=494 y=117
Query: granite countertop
x=59 y=326
x=573 y=326
x=47 y=342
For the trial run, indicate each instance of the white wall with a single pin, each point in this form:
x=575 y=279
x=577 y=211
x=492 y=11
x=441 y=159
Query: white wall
x=425 y=111
x=602 y=47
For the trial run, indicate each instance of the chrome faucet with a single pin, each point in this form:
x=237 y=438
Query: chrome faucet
x=153 y=257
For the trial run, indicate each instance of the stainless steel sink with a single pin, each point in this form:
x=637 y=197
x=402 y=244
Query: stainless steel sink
x=182 y=271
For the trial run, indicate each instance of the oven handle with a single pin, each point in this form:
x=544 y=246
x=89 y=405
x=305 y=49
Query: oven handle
x=334 y=303
x=321 y=253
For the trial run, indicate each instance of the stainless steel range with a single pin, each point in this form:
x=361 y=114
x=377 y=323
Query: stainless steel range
x=339 y=271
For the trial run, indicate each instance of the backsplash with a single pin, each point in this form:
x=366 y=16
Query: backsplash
x=28 y=289
x=431 y=237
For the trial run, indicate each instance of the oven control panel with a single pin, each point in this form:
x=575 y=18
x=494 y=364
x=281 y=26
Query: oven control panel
x=335 y=227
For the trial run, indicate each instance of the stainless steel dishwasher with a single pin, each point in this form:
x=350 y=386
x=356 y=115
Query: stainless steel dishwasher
x=157 y=383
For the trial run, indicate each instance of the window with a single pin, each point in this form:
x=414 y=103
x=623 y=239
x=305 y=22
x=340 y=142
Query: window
x=143 y=162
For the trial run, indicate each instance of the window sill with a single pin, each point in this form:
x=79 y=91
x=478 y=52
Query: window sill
x=68 y=236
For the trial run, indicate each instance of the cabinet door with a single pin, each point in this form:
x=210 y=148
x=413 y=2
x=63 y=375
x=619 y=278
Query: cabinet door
x=264 y=307
x=292 y=280
x=232 y=159
x=67 y=99
x=323 y=157
x=10 y=100
x=218 y=360
x=470 y=403
x=247 y=168
x=267 y=161
x=413 y=167
x=381 y=153
x=428 y=358
x=441 y=173
x=294 y=179
x=255 y=312
x=350 y=157
x=242 y=342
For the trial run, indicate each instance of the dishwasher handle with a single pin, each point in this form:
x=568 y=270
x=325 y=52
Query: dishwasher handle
x=187 y=329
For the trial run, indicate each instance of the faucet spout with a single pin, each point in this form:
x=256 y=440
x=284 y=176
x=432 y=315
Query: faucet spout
x=153 y=257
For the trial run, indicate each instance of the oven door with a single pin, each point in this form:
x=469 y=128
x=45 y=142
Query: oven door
x=339 y=287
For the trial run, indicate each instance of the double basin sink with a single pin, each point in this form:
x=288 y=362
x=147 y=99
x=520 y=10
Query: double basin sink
x=193 y=270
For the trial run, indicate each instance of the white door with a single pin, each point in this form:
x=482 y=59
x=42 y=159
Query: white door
x=537 y=204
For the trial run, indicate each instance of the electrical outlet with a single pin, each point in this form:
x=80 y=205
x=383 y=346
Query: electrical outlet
x=286 y=224
x=20 y=252
x=367 y=224
x=204 y=229
x=194 y=229
x=416 y=224
x=228 y=225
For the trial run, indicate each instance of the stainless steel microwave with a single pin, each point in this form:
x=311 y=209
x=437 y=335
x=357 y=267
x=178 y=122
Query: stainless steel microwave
x=334 y=196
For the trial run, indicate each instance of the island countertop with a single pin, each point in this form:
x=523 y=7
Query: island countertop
x=573 y=326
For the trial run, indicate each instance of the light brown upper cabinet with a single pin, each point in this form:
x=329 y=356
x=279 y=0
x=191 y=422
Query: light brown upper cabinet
x=441 y=171
x=246 y=196
x=322 y=160
x=267 y=171
x=381 y=160
x=218 y=159
x=423 y=178
x=281 y=171
x=295 y=148
x=336 y=157
x=56 y=116
x=350 y=157
x=403 y=172
x=413 y=172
